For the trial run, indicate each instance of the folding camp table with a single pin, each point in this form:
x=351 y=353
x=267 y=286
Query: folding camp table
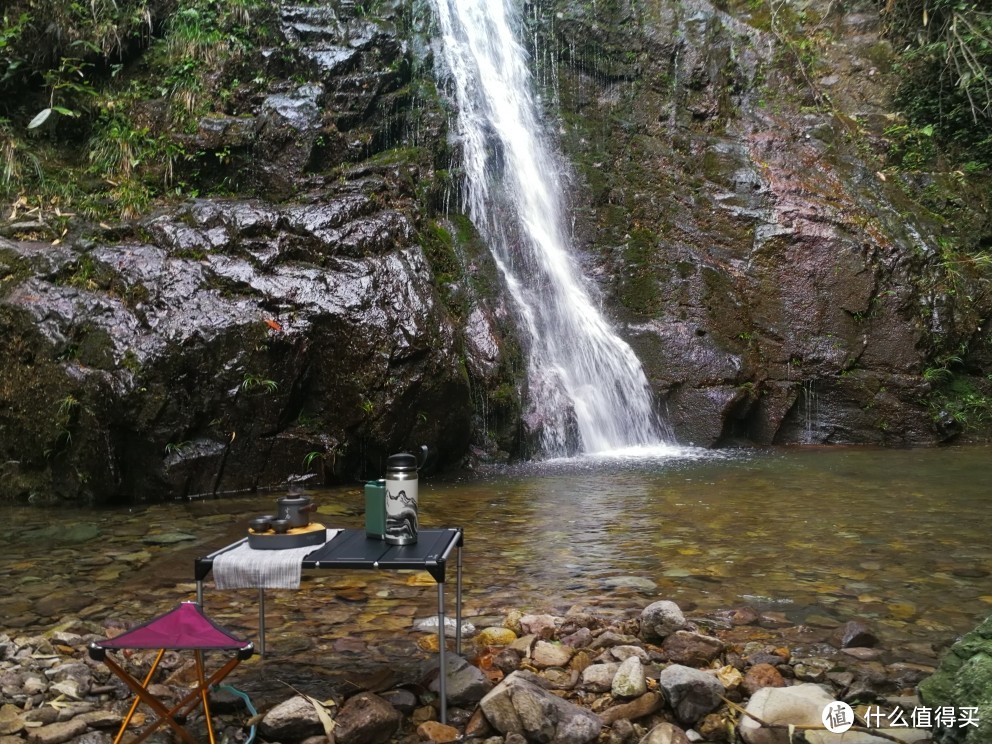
x=186 y=628
x=352 y=549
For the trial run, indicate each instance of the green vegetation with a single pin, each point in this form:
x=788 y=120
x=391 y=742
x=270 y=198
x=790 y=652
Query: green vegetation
x=640 y=290
x=958 y=393
x=438 y=245
x=946 y=73
x=940 y=142
x=97 y=98
x=254 y=383
x=174 y=448
x=64 y=420
x=966 y=401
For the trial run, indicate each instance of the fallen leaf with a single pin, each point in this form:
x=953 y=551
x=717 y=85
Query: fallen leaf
x=273 y=324
x=325 y=718
x=321 y=709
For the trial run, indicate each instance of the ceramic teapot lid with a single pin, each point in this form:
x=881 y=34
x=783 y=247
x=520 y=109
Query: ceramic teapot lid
x=294 y=501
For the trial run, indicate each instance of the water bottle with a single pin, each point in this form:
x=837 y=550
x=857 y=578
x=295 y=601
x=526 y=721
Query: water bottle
x=401 y=499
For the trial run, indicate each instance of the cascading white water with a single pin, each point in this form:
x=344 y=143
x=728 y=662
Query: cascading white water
x=582 y=378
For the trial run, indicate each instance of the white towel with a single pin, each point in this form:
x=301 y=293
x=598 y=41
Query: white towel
x=247 y=568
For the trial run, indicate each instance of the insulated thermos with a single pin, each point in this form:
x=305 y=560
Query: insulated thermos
x=401 y=499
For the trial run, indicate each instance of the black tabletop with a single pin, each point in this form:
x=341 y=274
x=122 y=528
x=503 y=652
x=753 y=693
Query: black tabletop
x=353 y=549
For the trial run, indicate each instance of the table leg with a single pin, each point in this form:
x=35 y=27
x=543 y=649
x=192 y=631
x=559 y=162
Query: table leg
x=261 y=621
x=199 y=593
x=442 y=670
x=458 y=603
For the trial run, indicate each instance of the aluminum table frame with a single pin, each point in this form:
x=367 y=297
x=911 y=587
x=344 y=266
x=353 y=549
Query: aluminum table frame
x=352 y=549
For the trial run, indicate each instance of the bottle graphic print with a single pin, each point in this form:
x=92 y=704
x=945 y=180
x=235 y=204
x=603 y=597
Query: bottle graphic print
x=401 y=499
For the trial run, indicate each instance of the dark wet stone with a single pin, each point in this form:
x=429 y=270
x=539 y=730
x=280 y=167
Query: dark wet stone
x=60 y=603
x=309 y=23
x=167 y=538
x=366 y=719
x=403 y=700
x=690 y=692
x=465 y=683
x=350 y=645
x=217 y=132
x=291 y=643
x=744 y=616
x=23 y=620
x=694 y=649
x=65 y=533
x=970 y=572
x=854 y=634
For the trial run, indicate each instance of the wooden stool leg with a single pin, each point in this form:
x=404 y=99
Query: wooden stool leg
x=137 y=700
x=164 y=714
x=204 y=694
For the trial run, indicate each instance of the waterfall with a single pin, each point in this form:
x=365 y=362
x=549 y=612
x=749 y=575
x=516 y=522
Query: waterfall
x=586 y=389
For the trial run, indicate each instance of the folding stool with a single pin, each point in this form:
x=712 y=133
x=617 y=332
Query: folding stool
x=185 y=628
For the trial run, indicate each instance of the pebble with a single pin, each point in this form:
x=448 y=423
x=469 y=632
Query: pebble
x=599 y=666
x=762 y=675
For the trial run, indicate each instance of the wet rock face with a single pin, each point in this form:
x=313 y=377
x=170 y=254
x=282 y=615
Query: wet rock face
x=776 y=288
x=218 y=356
x=233 y=343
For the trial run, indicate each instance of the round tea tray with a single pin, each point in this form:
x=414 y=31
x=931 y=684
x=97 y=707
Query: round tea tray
x=298 y=537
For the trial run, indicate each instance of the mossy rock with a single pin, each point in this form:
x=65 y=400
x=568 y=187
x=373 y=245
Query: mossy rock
x=964 y=680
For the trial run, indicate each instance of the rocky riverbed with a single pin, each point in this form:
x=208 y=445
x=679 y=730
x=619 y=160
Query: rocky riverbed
x=651 y=675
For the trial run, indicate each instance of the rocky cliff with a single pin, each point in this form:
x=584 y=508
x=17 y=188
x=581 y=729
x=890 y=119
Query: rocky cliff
x=319 y=316
x=781 y=280
x=322 y=303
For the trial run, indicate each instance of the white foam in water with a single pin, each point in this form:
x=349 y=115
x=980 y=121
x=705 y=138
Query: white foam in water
x=649 y=452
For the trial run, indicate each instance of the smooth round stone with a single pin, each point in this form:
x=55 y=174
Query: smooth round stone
x=863 y=654
x=637 y=583
x=495 y=637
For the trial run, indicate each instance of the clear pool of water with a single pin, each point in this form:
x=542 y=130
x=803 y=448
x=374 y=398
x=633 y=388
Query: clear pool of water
x=899 y=537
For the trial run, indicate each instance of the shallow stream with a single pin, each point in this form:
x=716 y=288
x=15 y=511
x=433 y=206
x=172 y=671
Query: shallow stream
x=819 y=535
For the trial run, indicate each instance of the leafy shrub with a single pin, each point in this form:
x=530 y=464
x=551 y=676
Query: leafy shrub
x=946 y=71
